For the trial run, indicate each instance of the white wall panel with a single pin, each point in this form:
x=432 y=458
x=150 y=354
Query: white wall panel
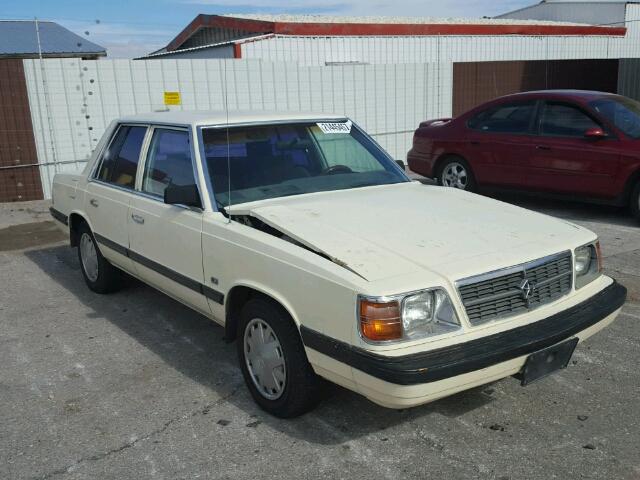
x=399 y=50
x=78 y=99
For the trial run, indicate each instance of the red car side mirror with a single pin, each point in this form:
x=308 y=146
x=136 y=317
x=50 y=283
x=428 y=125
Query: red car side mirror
x=595 y=134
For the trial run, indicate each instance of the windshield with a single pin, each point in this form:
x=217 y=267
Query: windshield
x=270 y=161
x=623 y=112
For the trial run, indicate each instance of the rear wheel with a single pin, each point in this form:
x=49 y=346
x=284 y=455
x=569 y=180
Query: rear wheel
x=634 y=201
x=99 y=275
x=273 y=361
x=455 y=172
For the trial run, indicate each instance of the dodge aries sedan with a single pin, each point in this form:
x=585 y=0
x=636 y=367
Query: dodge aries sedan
x=316 y=253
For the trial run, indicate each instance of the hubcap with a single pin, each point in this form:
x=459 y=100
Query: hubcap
x=455 y=175
x=89 y=257
x=265 y=359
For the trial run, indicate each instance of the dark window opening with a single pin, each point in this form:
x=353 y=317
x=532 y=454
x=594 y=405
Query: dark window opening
x=510 y=118
x=120 y=160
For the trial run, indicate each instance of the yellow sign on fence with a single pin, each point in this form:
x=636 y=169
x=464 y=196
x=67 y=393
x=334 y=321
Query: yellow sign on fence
x=172 y=98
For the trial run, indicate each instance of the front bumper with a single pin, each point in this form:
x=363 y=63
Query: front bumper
x=443 y=371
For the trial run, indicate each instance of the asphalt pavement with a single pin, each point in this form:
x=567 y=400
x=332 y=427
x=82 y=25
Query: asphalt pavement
x=136 y=386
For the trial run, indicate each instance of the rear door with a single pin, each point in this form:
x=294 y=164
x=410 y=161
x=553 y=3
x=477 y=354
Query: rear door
x=500 y=141
x=565 y=161
x=110 y=191
x=166 y=245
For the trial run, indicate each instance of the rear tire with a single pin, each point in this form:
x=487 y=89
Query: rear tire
x=273 y=361
x=634 y=201
x=99 y=275
x=455 y=172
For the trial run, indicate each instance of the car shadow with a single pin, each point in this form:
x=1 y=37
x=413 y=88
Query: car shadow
x=569 y=209
x=564 y=208
x=194 y=346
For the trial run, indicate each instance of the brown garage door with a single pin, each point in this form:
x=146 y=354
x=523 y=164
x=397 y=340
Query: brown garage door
x=477 y=82
x=17 y=146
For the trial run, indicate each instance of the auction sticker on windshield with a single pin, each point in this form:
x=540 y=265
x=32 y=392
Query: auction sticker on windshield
x=335 y=127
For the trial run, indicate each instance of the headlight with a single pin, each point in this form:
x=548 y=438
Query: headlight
x=587 y=264
x=407 y=317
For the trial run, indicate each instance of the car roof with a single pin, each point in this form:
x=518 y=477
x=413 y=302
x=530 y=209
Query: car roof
x=219 y=117
x=566 y=93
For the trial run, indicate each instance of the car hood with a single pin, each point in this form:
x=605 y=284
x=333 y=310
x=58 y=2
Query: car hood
x=392 y=230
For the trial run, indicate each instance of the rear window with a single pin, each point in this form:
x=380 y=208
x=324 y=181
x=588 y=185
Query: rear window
x=509 y=118
x=120 y=160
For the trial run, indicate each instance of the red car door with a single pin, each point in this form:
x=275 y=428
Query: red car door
x=565 y=160
x=500 y=141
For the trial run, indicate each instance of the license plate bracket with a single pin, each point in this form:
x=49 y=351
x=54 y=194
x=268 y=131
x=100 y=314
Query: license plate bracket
x=546 y=361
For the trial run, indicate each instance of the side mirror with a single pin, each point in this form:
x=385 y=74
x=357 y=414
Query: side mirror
x=182 y=195
x=595 y=134
x=401 y=164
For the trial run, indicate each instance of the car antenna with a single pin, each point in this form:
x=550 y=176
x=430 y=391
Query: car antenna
x=226 y=110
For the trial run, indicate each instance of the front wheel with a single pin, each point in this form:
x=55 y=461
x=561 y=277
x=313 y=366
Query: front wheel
x=634 y=201
x=273 y=361
x=455 y=172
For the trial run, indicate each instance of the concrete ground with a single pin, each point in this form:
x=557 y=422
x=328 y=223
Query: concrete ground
x=134 y=385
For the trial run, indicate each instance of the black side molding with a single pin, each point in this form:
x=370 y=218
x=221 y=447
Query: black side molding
x=183 y=280
x=465 y=357
x=59 y=216
x=111 y=244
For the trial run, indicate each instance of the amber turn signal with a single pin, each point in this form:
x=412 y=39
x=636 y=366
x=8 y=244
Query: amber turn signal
x=380 y=321
x=599 y=256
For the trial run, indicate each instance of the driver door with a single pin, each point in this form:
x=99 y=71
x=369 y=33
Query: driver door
x=166 y=240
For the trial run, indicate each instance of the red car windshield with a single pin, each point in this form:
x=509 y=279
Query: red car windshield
x=622 y=112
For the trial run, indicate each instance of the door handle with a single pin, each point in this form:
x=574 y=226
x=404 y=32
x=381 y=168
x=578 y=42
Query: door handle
x=543 y=147
x=137 y=218
x=93 y=202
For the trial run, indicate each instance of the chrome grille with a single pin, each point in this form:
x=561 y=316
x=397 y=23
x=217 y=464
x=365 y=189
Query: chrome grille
x=518 y=289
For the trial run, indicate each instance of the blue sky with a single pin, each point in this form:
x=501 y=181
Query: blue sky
x=136 y=27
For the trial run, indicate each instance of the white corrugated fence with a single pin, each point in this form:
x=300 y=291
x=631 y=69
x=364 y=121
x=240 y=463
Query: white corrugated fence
x=73 y=101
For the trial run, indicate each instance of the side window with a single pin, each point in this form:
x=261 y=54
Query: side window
x=510 y=118
x=120 y=160
x=168 y=161
x=561 y=119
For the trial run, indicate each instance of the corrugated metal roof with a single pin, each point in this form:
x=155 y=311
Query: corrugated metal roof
x=593 y=12
x=239 y=26
x=19 y=38
x=163 y=52
x=283 y=18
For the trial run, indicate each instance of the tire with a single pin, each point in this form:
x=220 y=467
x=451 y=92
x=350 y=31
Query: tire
x=99 y=275
x=291 y=388
x=446 y=174
x=634 y=202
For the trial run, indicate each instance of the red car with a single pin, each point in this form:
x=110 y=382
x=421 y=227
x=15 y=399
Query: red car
x=582 y=144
